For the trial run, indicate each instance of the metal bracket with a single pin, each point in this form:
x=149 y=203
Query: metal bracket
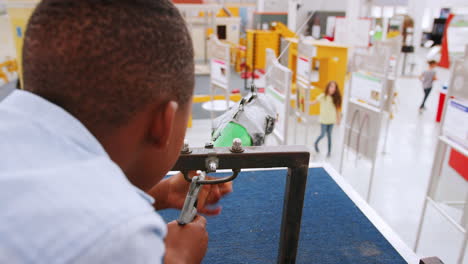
x=295 y=158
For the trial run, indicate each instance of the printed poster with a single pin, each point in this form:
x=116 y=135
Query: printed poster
x=456 y=122
x=219 y=73
x=367 y=88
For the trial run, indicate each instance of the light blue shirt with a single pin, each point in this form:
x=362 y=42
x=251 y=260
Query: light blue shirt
x=62 y=199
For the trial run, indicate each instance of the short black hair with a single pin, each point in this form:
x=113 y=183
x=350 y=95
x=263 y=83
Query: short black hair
x=432 y=62
x=105 y=60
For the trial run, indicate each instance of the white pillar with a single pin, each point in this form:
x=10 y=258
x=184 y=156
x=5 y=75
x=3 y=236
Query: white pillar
x=416 y=11
x=353 y=8
x=292 y=14
x=384 y=24
x=260 y=5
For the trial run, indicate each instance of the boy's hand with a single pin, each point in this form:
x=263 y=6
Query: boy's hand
x=171 y=193
x=186 y=244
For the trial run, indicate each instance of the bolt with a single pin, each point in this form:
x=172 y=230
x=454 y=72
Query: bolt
x=209 y=145
x=186 y=148
x=237 y=146
x=212 y=166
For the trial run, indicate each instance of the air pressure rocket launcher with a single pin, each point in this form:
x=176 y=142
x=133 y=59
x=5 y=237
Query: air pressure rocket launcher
x=251 y=120
x=246 y=124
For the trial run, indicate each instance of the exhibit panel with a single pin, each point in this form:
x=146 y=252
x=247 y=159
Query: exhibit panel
x=220 y=73
x=368 y=98
x=447 y=193
x=304 y=88
x=278 y=91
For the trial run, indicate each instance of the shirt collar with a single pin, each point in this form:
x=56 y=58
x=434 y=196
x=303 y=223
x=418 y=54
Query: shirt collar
x=52 y=117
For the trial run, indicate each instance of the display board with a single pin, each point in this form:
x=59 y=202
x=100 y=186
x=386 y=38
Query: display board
x=303 y=68
x=278 y=90
x=459 y=82
x=220 y=70
x=367 y=88
x=340 y=30
x=371 y=94
x=219 y=73
x=382 y=60
x=219 y=62
x=379 y=59
x=331 y=22
x=303 y=73
x=305 y=55
x=353 y=35
x=454 y=138
x=456 y=122
x=457 y=35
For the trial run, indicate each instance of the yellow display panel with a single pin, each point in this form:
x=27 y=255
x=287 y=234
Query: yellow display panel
x=332 y=61
x=257 y=43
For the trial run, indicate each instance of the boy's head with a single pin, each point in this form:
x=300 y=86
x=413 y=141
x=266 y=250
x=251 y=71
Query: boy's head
x=432 y=63
x=124 y=68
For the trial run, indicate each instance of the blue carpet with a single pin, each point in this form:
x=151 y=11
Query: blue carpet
x=333 y=229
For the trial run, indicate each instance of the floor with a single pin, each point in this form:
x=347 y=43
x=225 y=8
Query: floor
x=402 y=170
x=254 y=239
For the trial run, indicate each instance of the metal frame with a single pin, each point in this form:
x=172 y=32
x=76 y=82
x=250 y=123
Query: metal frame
x=443 y=144
x=295 y=158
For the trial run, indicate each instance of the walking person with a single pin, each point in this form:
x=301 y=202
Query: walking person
x=427 y=78
x=330 y=105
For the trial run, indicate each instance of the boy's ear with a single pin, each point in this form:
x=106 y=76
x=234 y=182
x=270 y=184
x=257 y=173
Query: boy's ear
x=163 y=123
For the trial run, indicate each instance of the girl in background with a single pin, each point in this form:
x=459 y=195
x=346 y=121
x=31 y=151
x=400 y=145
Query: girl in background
x=330 y=105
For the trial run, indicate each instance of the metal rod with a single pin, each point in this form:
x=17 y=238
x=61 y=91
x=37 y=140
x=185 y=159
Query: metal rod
x=235 y=173
x=403 y=70
x=465 y=239
x=292 y=214
x=446 y=215
x=436 y=168
x=387 y=128
x=212 y=93
x=252 y=72
x=421 y=222
x=371 y=181
x=295 y=158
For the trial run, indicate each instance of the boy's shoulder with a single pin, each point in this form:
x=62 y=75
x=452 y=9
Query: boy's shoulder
x=55 y=213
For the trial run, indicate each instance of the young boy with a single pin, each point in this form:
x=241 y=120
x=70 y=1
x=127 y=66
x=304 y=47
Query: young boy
x=427 y=78
x=108 y=95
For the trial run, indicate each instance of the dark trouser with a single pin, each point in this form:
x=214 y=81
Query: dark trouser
x=325 y=129
x=427 y=91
